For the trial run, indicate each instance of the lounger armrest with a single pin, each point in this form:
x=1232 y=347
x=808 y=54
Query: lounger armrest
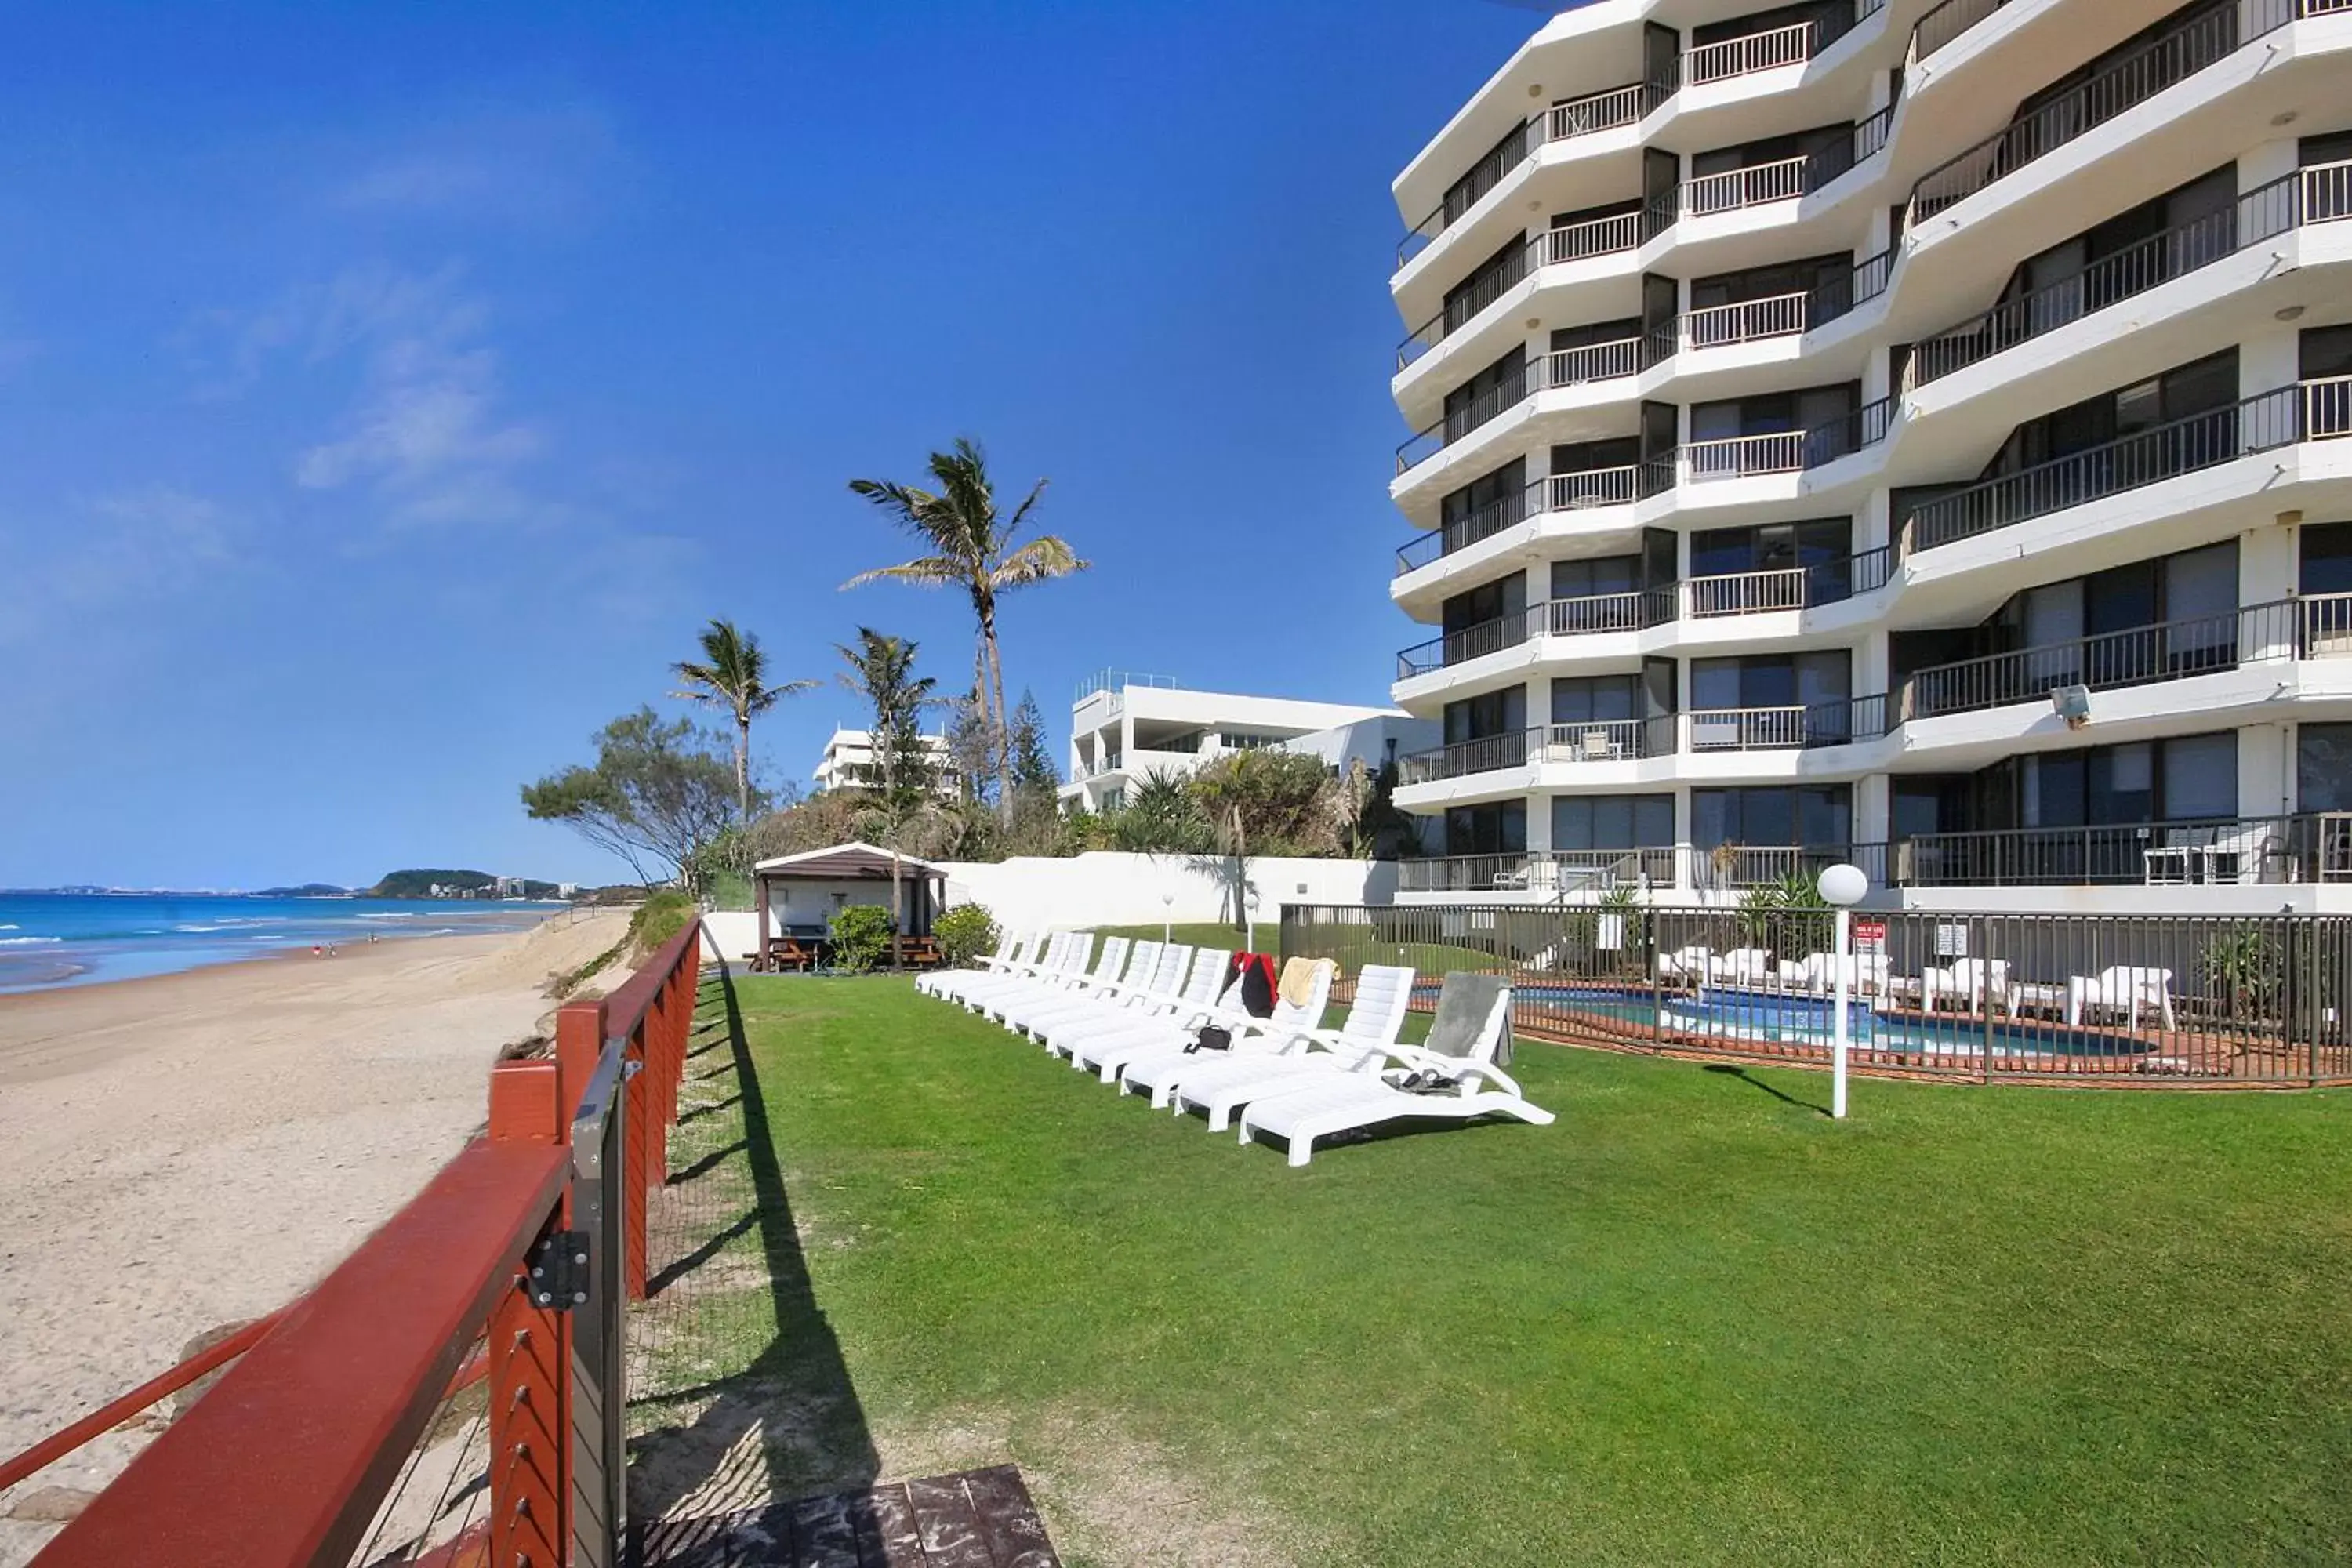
x=1466 y=1070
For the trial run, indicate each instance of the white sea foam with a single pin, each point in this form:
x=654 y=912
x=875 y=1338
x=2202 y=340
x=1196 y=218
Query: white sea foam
x=23 y=941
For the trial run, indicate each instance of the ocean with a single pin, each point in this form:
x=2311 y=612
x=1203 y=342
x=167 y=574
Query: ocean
x=49 y=939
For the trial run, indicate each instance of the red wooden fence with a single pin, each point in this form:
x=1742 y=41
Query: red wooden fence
x=287 y=1459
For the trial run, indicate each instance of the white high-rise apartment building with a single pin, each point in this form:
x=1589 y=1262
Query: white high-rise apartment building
x=1880 y=429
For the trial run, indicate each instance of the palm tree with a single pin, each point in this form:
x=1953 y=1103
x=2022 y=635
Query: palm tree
x=972 y=548
x=881 y=668
x=733 y=675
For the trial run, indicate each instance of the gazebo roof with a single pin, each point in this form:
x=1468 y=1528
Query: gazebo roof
x=848 y=862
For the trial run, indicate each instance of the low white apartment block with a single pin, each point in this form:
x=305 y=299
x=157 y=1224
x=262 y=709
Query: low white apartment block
x=848 y=762
x=1124 y=728
x=1912 y=433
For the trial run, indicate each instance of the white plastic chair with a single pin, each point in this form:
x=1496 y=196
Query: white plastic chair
x=2122 y=989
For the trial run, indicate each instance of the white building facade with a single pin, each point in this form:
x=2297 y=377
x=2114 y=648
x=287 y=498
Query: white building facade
x=1124 y=728
x=848 y=762
x=1912 y=433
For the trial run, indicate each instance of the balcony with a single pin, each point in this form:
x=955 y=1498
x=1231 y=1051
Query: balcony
x=1788 y=728
x=2270 y=851
x=1629 y=612
x=2309 y=196
x=2312 y=411
x=1550 y=873
x=2199 y=43
x=1588 y=740
x=1787 y=451
x=2319 y=627
x=1943 y=25
x=1787 y=588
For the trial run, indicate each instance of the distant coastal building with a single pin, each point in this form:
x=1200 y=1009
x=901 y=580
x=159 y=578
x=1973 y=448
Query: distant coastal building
x=1126 y=727
x=848 y=762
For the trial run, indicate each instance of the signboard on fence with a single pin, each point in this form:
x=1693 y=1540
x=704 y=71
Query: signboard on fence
x=1869 y=935
x=1951 y=941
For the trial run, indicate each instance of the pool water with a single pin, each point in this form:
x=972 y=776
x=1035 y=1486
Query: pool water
x=1758 y=1016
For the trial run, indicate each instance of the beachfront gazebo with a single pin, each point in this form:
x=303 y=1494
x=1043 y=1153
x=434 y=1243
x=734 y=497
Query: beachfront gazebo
x=797 y=895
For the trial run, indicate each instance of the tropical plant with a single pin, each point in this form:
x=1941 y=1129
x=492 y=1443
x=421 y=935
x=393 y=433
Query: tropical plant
x=972 y=547
x=965 y=933
x=1268 y=803
x=657 y=795
x=1162 y=817
x=863 y=936
x=1787 y=917
x=732 y=674
x=881 y=668
x=657 y=919
x=2243 y=964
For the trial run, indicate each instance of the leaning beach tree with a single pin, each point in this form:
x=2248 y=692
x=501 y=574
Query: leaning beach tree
x=1270 y=803
x=972 y=547
x=881 y=668
x=732 y=674
x=658 y=795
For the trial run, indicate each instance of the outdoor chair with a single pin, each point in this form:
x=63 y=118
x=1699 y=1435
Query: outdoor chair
x=1078 y=949
x=1455 y=1076
x=1685 y=964
x=1155 y=1059
x=1742 y=966
x=1015 y=1011
x=947 y=983
x=1383 y=993
x=1154 y=984
x=2123 y=990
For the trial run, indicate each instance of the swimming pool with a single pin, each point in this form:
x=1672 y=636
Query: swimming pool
x=1761 y=1017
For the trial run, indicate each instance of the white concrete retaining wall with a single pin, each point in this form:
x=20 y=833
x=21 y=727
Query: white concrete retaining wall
x=1112 y=888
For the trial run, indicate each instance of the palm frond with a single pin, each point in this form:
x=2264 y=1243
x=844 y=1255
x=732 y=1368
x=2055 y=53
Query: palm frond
x=924 y=572
x=1039 y=560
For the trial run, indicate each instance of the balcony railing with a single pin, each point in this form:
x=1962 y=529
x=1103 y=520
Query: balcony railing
x=2321 y=195
x=1786 y=729
x=1786 y=587
x=1586 y=741
x=1757 y=186
x=1758 y=865
x=1610 y=109
x=2313 y=410
x=1552 y=248
x=2204 y=851
x=1746 y=56
x=1628 y=612
x=1584 y=367
x=2314 y=626
x=2173 y=57
x=1551 y=873
x=1788 y=451
x=1943 y=24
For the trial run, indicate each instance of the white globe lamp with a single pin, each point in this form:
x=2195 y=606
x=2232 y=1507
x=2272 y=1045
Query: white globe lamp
x=1841 y=887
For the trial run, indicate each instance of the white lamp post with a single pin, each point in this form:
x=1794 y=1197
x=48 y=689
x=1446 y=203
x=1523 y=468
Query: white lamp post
x=1166 y=918
x=1251 y=900
x=1841 y=887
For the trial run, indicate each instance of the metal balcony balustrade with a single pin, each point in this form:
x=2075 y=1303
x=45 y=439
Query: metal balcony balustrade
x=1587 y=740
x=2315 y=196
x=1550 y=873
x=1761 y=864
x=1786 y=588
x=1787 y=451
x=2274 y=851
x=1614 y=108
x=1703 y=195
x=1945 y=24
x=2316 y=627
x=2312 y=411
x=1627 y=612
x=2127 y=83
x=1582 y=367
x=1785 y=728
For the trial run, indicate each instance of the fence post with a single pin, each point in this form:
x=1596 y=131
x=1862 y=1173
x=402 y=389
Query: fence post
x=530 y=1346
x=637 y=1126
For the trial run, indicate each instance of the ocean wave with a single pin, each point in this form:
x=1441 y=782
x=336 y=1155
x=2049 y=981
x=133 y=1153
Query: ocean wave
x=227 y=922
x=398 y=915
x=24 y=941
x=5 y=927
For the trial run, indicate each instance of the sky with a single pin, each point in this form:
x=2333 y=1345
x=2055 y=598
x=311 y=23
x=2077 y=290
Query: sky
x=389 y=394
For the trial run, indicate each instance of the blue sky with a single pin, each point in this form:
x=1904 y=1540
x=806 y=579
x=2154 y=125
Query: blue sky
x=388 y=394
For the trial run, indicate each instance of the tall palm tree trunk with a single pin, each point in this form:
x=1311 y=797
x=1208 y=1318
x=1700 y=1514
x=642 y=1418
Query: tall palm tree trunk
x=1004 y=731
x=743 y=767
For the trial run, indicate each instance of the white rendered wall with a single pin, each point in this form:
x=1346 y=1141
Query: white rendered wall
x=1109 y=888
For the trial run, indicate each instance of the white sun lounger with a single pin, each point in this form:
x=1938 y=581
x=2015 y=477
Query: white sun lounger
x=1058 y=992
x=1075 y=956
x=1158 y=986
x=1091 y=1041
x=1384 y=992
x=2123 y=990
x=1062 y=957
x=1470 y=1032
x=1972 y=982
x=948 y=982
x=1156 y=1058
x=1685 y=964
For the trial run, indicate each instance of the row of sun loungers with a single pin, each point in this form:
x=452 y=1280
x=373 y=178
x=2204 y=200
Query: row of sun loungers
x=1971 y=985
x=1132 y=1012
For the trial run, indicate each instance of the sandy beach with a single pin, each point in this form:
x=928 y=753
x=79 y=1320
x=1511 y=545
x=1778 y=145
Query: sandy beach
x=193 y=1149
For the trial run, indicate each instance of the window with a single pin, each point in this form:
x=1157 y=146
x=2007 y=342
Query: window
x=1500 y=713
x=1588 y=457
x=2325 y=353
x=1613 y=822
x=2184 y=778
x=1771 y=680
x=1498 y=829
x=1490 y=496
x=2323 y=767
x=2200 y=776
x=1564 y=338
x=2326 y=558
x=1487 y=602
x=1820 y=816
x=1596 y=698
x=1592 y=579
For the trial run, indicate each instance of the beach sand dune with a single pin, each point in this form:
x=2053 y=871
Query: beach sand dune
x=189 y=1151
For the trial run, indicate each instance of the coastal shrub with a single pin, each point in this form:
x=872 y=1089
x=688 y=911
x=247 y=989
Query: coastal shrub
x=861 y=938
x=658 y=919
x=965 y=933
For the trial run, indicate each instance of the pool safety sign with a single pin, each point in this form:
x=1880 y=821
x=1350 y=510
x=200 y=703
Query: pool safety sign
x=1952 y=940
x=1869 y=934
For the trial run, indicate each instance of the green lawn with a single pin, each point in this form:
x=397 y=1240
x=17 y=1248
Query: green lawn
x=1693 y=1321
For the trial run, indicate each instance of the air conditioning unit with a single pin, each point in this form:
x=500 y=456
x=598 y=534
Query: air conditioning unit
x=2074 y=705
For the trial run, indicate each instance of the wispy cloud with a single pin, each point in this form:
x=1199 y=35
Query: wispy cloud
x=505 y=165
x=118 y=552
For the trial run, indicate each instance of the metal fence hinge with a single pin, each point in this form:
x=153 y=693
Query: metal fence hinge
x=557 y=1277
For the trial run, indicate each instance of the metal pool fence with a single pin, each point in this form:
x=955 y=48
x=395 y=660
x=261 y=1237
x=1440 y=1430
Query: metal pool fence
x=2257 y=1002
